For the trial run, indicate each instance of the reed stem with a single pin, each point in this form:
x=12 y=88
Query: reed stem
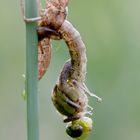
x=31 y=72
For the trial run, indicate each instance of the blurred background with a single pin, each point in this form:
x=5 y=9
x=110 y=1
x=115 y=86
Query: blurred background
x=111 y=32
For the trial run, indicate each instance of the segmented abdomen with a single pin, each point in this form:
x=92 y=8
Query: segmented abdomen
x=69 y=95
x=77 y=51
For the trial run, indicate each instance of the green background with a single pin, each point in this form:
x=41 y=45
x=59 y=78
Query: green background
x=111 y=32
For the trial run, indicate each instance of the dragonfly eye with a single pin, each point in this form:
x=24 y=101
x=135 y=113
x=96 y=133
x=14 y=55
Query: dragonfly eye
x=79 y=128
x=74 y=131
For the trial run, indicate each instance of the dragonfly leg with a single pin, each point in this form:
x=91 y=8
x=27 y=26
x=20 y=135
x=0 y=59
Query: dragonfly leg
x=91 y=108
x=89 y=93
x=89 y=113
x=34 y=19
x=44 y=31
x=71 y=118
x=84 y=87
x=70 y=102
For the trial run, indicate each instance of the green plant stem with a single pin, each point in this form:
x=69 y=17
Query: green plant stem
x=31 y=72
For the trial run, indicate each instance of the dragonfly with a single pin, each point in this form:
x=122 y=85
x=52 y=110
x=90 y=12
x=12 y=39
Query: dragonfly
x=70 y=94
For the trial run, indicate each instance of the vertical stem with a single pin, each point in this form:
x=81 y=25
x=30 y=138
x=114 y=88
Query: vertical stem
x=31 y=72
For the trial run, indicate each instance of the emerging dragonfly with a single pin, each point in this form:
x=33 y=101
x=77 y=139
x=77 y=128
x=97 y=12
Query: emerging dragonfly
x=70 y=93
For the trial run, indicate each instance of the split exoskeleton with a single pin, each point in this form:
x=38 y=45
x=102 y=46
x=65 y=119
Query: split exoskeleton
x=70 y=94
